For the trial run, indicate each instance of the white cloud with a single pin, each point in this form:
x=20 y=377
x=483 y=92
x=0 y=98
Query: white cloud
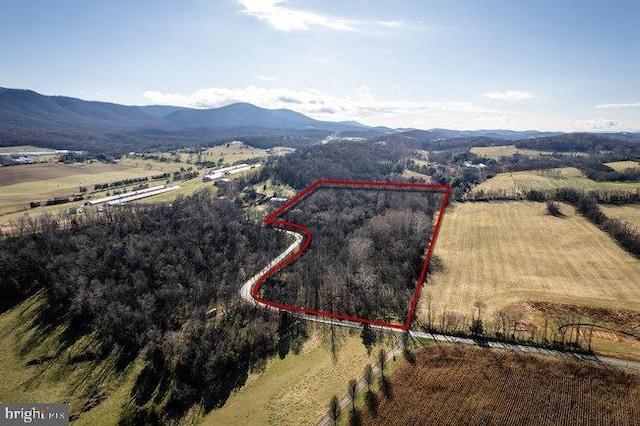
x=509 y=95
x=267 y=78
x=359 y=105
x=391 y=24
x=619 y=105
x=285 y=19
x=595 y=124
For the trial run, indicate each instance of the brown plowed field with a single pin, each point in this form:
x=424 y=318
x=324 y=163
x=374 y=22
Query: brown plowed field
x=454 y=385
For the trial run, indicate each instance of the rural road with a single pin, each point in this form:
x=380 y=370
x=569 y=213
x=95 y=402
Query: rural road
x=247 y=287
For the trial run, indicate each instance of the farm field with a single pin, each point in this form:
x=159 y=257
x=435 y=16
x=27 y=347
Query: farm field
x=20 y=185
x=226 y=154
x=517 y=183
x=622 y=165
x=508 y=253
x=496 y=152
x=295 y=390
x=61 y=378
x=232 y=153
x=628 y=213
x=451 y=384
x=22 y=148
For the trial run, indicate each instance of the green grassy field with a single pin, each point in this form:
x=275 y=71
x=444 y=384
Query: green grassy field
x=629 y=213
x=506 y=253
x=517 y=183
x=59 y=379
x=622 y=165
x=297 y=389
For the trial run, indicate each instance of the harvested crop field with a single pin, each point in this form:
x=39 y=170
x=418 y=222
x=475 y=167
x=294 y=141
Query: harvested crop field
x=452 y=385
x=508 y=252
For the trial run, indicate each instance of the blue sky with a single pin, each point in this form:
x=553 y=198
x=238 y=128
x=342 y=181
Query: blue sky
x=548 y=65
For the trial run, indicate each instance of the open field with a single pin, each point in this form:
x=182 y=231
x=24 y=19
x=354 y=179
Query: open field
x=496 y=152
x=629 y=213
x=226 y=154
x=453 y=385
x=411 y=174
x=22 y=148
x=64 y=377
x=232 y=153
x=20 y=185
x=505 y=253
x=295 y=390
x=517 y=183
x=622 y=165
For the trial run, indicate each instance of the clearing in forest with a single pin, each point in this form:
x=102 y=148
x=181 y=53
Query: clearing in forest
x=518 y=183
x=366 y=251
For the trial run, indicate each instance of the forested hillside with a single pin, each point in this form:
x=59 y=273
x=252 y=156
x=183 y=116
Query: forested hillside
x=366 y=255
x=344 y=160
x=141 y=279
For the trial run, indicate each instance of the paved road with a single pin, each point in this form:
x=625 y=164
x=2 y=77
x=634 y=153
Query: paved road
x=247 y=287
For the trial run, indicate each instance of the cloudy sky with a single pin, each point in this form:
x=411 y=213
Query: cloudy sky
x=462 y=64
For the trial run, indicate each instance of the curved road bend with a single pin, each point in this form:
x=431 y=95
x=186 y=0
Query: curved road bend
x=245 y=294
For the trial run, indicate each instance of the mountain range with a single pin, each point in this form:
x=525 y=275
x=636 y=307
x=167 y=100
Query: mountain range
x=27 y=117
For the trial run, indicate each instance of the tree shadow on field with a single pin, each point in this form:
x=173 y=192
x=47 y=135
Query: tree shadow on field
x=385 y=387
x=355 y=418
x=371 y=399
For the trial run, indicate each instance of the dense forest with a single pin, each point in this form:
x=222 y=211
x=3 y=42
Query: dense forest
x=343 y=160
x=142 y=280
x=366 y=252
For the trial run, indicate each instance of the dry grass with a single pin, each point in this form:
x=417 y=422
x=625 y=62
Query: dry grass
x=507 y=252
x=496 y=152
x=517 y=183
x=411 y=174
x=22 y=148
x=628 y=213
x=233 y=153
x=468 y=385
x=622 y=165
x=297 y=389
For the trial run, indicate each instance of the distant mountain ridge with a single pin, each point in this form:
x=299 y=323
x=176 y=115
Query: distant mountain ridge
x=27 y=117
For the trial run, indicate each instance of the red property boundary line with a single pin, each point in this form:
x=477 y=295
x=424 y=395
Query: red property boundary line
x=273 y=220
